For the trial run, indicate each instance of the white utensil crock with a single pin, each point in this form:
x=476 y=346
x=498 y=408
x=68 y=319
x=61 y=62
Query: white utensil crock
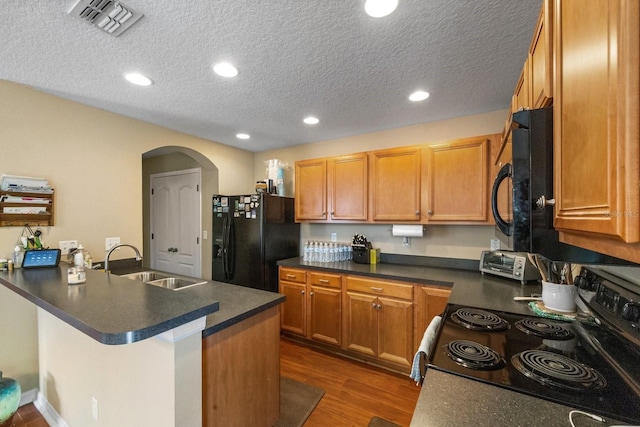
x=559 y=297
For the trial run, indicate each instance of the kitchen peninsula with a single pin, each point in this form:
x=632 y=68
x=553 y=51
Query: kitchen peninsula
x=151 y=347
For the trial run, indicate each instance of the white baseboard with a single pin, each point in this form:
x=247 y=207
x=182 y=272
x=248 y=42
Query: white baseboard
x=50 y=415
x=28 y=396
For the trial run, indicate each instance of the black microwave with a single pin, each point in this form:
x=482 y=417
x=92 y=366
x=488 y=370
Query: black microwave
x=522 y=194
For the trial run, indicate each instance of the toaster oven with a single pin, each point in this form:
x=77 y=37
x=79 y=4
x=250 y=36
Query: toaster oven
x=512 y=265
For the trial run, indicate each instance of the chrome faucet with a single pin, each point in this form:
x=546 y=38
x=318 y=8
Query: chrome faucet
x=106 y=261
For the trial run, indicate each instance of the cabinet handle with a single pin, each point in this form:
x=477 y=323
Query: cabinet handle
x=323 y=280
x=302 y=292
x=291 y=276
x=379 y=307
x=374 y=305
x=418 y=213
x=376 y=289
x=430 y=212
x=311 y=293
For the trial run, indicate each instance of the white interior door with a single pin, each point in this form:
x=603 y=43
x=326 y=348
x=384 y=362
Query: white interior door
x=176 y=222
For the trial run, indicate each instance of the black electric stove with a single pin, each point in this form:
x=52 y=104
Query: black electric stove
x=591 y=364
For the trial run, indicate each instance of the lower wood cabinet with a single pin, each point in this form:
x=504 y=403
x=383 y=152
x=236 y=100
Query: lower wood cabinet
x=313 y=308
x=378 y=321
x=430 y=301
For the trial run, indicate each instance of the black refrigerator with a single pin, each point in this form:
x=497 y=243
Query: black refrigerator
x=250 y=234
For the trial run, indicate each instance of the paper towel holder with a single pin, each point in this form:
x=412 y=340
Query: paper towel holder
x=407 y=231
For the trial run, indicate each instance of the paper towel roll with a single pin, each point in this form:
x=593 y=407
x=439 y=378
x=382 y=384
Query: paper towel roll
x=407 y=230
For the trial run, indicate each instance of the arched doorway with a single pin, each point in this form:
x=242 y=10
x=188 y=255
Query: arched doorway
x=171 y=159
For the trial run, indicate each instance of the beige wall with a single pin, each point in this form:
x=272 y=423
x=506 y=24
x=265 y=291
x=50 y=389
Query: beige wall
x=93 y=159
x=440 y=240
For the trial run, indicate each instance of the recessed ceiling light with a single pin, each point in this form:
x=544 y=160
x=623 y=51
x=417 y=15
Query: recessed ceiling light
x=380 y=8
x=138 y=79
x=418 y=96
x=225 y=69
x=311 y=120
x=243 y=136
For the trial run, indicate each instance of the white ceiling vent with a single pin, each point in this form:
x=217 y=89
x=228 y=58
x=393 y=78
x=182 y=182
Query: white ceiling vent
x=110 y=16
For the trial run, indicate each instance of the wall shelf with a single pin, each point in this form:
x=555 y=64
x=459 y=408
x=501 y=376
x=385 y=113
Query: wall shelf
x=46 y=218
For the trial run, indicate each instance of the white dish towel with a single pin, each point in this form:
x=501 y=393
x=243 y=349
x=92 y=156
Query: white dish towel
x=425 y=345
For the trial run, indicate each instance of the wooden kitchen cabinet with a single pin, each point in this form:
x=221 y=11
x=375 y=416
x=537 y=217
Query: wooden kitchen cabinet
x=311 y=190
x=325 y=307
x=430 y=301
x=313 y=308
x=596 y=122
x=541 y=58
x=395 y=183
x=459 y=186
x=332 y=189
x=293 y=312
x=521 y=97
x=379 y=320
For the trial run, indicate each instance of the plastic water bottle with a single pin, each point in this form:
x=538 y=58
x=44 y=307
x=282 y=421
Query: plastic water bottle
x=16 y=257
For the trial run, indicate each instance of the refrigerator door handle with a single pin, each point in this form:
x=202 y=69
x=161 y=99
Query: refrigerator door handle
x=225 y=247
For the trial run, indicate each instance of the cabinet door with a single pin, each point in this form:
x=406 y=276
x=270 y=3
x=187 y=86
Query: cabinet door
x=293 y=310
x=459 y=181
x=521 y=95
x=311 y=193
x=395 y=331
x=596 y=155
x=361 y=323
x=395 y=184
x=347 y=187
x=541 y=58
x=325 y=311
x=429 y=302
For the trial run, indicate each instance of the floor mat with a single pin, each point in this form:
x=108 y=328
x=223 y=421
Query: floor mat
x=297 y=401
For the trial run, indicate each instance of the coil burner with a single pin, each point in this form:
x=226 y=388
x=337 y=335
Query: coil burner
x=479 y=320
x=473 y=355
x=558 y=371
x=544 y=328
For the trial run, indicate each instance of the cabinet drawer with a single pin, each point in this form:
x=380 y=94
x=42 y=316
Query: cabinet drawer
x=378 y=287
x=323 y=279
x=291 y=275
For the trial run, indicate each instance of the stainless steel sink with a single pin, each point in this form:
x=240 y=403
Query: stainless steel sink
x=175 y=283
x=145 y=276
x=163 y=280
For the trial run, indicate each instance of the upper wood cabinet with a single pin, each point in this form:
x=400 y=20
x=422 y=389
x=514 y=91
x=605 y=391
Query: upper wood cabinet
x=541 y=58
x=347 y=187
x=521 y=96
x=396 y=184
x=596 y=125
x=311 y=190
x=458 y=184
x=332 y=189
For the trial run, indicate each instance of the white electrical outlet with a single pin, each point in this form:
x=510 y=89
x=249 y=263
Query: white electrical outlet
x=495 y=244
x=67 y=245
x=110 y=242
x=334 y=237
x=94 y=408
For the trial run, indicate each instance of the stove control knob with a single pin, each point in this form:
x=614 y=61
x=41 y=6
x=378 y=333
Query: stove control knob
x=631 y=311
x=580 y=282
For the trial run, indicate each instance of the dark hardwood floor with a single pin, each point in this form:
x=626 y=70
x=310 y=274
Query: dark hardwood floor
x=354 y=392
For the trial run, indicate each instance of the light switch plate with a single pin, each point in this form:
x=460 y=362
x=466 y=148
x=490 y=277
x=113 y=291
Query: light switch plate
x=495 y=244
x=110 y=242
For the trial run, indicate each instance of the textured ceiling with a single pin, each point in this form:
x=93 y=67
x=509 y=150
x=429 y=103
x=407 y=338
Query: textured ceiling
x=325 y=58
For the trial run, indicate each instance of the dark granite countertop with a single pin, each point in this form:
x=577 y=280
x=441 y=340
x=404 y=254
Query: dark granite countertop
x=237 y=303
x=117 y=310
